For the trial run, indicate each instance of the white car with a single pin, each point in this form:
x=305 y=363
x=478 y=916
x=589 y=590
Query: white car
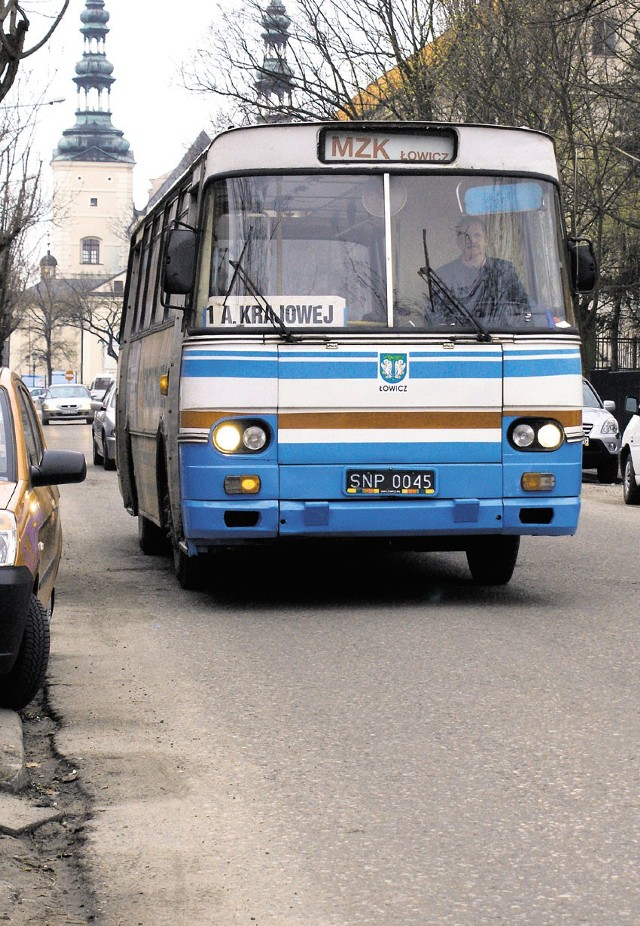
x=601 y=443
x=103 y=431
x=66 y=402
x=630 y=454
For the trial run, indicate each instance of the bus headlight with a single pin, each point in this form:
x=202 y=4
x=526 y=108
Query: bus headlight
x=240 y=436
x=536 y=434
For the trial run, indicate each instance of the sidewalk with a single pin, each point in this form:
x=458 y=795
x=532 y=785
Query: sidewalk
x=17 y=814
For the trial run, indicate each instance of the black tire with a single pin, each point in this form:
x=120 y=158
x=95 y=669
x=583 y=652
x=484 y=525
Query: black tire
x=151 y=538
x=97 y=459
x=27 y=676
x=630 y=488
x=189 y=570
x=608 y=470
x=492 y=559
x=108 y=462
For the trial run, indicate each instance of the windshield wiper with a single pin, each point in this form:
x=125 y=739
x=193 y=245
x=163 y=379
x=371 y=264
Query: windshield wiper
x=434 y=283
x=239 y=271
x=266 y=307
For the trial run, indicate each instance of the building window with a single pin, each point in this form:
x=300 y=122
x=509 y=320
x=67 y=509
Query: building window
x=605 y=36
x=93 y=201
x=118 y=286
x=90 y=251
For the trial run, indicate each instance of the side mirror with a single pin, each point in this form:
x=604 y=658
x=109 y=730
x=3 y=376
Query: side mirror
x=631 y=405
x=609 y=405
x=58 y=467
x=583 y=265
x=179 y=261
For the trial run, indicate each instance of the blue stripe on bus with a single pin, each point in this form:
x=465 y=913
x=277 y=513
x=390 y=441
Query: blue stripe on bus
x=233 y=366
x=541 y=366
x=381 y=453
x=316 y=365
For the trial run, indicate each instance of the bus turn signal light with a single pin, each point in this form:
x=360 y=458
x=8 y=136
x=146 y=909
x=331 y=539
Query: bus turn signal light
x=241 y=485
x=538 y=482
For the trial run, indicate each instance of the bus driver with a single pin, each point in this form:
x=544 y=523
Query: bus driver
x=486 y=286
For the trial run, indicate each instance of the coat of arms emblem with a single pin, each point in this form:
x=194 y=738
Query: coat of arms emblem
x=393 y=367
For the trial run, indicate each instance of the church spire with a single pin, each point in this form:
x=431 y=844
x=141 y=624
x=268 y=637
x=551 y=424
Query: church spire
x=93 y=137
x=275 y=77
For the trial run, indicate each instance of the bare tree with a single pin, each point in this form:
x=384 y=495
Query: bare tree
x=14 y=25
x=336 y=55
x=20 y=209
x=46 y=319
x=94 y=307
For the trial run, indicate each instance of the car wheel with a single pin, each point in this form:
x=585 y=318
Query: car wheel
x=608 y=471
x=492 y=559
x=27 y=676
x=108 y=462
x=630 y=488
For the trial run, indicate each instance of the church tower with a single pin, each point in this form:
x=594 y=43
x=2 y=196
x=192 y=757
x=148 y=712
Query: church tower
x=92 y=167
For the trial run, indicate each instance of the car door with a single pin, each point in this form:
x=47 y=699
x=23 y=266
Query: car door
x=45 y=534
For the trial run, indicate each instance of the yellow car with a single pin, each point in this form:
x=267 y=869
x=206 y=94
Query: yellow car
x=30 y=540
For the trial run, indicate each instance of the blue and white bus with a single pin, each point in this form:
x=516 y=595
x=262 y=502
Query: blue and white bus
x=297 y=361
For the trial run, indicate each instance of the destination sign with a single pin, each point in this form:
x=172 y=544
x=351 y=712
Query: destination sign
x=293 y=311
x=383 y=147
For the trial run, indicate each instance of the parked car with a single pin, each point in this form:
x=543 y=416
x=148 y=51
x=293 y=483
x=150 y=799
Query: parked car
x=601 y=445
x=66 y=402
x=30 y=540
x=99 y=386
x=104 y=431
x=630 y=454
x=37 y=392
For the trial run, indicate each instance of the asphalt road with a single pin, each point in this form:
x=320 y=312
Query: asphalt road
x=334 y=742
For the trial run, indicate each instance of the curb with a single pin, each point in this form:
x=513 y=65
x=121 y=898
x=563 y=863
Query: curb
x=13 y=774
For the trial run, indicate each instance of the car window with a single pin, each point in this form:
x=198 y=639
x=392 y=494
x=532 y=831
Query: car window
x=32 y=438
x=589 y=396
x=7 y=451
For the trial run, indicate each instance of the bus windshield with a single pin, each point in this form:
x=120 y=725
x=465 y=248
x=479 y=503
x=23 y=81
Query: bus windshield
x=370 y=251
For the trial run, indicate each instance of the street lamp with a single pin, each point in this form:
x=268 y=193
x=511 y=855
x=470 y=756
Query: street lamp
x=34 y=105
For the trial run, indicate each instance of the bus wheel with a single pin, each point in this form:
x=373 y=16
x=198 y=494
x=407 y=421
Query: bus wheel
x=151 y=538
x=492 y=559
x=189 y=570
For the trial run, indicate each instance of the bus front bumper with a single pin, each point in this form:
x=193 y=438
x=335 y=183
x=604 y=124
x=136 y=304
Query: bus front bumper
x=209 y=523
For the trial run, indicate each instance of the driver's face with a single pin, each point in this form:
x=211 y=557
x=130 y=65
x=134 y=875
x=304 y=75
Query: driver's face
x=472 y=243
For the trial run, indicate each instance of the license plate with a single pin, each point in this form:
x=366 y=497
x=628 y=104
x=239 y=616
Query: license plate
x=390 y=482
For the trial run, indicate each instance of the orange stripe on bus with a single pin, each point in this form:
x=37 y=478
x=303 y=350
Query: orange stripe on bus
x=382 y=420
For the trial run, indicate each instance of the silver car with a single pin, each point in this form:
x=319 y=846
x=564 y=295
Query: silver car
x=104 y=431
x=66 y=402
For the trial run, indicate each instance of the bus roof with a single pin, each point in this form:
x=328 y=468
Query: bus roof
x=291 y=146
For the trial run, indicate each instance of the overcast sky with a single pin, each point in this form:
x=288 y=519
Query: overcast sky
x=147 y=41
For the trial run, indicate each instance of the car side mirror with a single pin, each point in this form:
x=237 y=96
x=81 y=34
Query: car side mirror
x=609 y=405
x=58 y=467
x=631 y=405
